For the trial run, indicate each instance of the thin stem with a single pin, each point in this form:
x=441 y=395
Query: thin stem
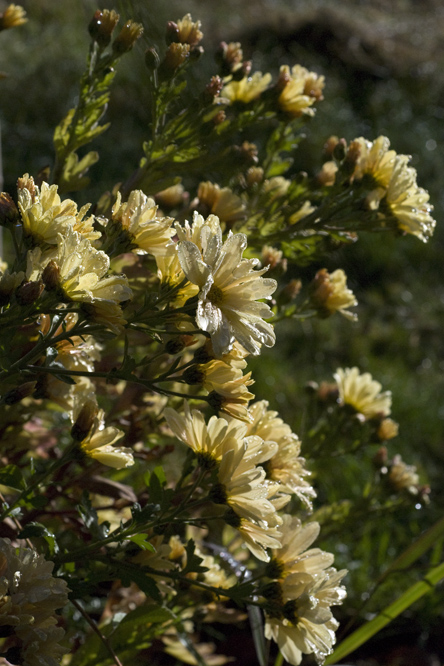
x=97 y=631
x=279 y=659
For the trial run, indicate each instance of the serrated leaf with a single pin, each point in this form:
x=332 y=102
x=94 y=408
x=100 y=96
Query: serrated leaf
x=193 y=560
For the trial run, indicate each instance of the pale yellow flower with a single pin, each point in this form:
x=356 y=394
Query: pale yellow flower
x=408 y=203
x=45 y=216
x=247 y=89
x=241 y=484
x=300 y=620
x=221 y=202
x=330 y=294
x=375 y=159
x=363 y=393
x=230 y=289
x=285 y=465
x=83 y=278
x=99 y=444
x=209 y=441
x=12 y=17
x=276 y=186
x=228 y=386
x=189 y=31
x=139 y=219
x=301 y=89
x=29 y=598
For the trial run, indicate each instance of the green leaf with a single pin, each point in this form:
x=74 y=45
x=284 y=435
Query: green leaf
x=364 y=633
x=12 y=477
x=193 y=560
x=38 y=530
x=141 y=541
x=90 y=518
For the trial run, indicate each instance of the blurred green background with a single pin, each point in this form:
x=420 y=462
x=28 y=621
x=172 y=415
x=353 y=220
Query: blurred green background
x=383 y=63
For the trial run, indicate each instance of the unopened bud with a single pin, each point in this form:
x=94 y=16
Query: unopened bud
x=254 y=175
x=387 y=429
x=174 y=346
x=193 y=375
x=127 y=37
x=220 y=117
x=339 y=150
x=51 y=275
x=290 y=291
x=102 y=26
x=9 y=215
x=17 y=394
x=214 y=87
x=353 y=153
x=321 y=290
x=84 y=421
x=176 y=55
x=152 y=60
x=171 y=197
x=203 y=355
x=328 y=392
x=283 y=80
x=330 y=145
x=172 y=33
x=327 y=175
x=380 y=458
x=29 y=292
x=8 y=284
x=243 y=71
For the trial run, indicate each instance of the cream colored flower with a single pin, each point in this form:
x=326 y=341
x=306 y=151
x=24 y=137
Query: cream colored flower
x=330 y=294
x=138 y=218
x=241 y=484
x=209 y=441
x=29 y=597
x=228 y=386
x=45 y=215
x=407 y=202
x=82 y=278
x=222 y=202
x=99 y=444
x=375 y=159
x=299 y=619
x=363 y=393
x=228 y=306
x=285 y=465
x=247 y=89
x=300 y=90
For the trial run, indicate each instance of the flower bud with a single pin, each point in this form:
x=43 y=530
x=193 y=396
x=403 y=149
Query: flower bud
x=152 y=60
x=330 y=145
x=229 y=57
x=290 y=291
x=102 y=26
x=17 y=394
x=172 y=33
x=220 y=117
x=387 y=429
x=51 y=275
x=174 y=346
x=127 y=37
x=9 y=215
x=214 y=87
x=380 y=458
x=254 y=175
x=29 y=292
x=193 y=375
x=338 y=152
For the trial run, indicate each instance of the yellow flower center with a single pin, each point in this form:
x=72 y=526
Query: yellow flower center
x=215 y=295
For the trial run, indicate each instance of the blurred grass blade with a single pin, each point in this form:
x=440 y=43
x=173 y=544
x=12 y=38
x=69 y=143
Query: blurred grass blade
x=257 y=630
x=426 y=541
x=359 y=637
